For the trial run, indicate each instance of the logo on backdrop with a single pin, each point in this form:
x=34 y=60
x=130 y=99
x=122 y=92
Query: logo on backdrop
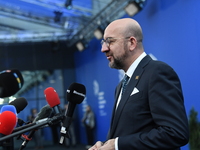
x=101 y=99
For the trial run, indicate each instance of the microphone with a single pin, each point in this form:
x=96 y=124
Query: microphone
x=44 y=113
x=9 y=108
x=11 y=81
x=9 y=144
x=19 y=103
x=52 y=99
x=75 y=95
x=7 y=122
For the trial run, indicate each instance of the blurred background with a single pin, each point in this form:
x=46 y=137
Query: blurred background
x=55 y=43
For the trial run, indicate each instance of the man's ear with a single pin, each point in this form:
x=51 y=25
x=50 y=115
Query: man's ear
x=133 y=43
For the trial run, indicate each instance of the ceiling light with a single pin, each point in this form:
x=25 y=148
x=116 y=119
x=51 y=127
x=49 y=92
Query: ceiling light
x=80 y=46
x=134 y=6
x=98 y=33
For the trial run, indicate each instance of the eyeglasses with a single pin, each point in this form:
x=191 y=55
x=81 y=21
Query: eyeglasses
x=110 y=40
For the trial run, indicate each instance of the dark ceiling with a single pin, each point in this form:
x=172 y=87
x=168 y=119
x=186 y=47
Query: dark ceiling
x=51 y=20
x=25 y=20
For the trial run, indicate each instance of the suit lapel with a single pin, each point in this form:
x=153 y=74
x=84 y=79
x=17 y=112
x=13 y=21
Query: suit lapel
x=132 y=83
x=117 y=92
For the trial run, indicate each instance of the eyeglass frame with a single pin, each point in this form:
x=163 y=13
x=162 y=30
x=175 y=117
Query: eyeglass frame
x=109 y=42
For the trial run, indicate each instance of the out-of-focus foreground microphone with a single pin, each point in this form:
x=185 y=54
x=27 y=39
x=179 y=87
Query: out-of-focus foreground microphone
x=52 y=99
x=9 y=108
x=75 y=95
x=7 y=122
x=9 y=143
x=11 y=81
x=44 y=113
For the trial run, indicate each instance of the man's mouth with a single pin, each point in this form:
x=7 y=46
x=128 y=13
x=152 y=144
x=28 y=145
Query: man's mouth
x=108 y=57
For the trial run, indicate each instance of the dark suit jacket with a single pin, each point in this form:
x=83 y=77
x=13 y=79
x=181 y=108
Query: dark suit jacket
x=155 y=117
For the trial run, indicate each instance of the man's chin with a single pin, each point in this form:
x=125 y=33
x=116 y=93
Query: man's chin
x=112 y=65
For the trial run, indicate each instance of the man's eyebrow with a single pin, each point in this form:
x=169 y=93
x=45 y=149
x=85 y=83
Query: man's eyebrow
x=109 y=38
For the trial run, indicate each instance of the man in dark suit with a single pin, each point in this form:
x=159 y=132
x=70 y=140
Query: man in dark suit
x=150 y=113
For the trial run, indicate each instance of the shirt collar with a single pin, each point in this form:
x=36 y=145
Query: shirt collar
x=134 y=65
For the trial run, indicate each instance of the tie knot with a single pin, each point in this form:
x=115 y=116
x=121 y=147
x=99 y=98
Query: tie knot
x=125 y=79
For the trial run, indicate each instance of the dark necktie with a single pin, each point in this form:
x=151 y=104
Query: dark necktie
x=124 y=83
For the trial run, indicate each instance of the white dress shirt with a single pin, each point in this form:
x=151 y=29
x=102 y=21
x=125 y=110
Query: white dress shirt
x=129 y=73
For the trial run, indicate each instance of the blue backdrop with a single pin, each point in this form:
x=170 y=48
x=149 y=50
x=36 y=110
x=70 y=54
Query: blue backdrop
x=171 y=34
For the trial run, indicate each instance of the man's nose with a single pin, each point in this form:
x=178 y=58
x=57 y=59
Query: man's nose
x=104 y=48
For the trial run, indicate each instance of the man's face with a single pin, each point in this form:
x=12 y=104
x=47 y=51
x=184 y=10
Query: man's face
x=115 y=48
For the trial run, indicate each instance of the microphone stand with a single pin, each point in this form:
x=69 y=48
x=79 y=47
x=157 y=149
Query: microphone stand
x=28 y=125
x=64 y=129
x=49 y=121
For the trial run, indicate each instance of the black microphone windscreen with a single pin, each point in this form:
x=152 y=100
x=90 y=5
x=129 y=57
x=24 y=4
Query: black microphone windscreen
x=76 y=93
x=19 y=103
x=11 y=81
